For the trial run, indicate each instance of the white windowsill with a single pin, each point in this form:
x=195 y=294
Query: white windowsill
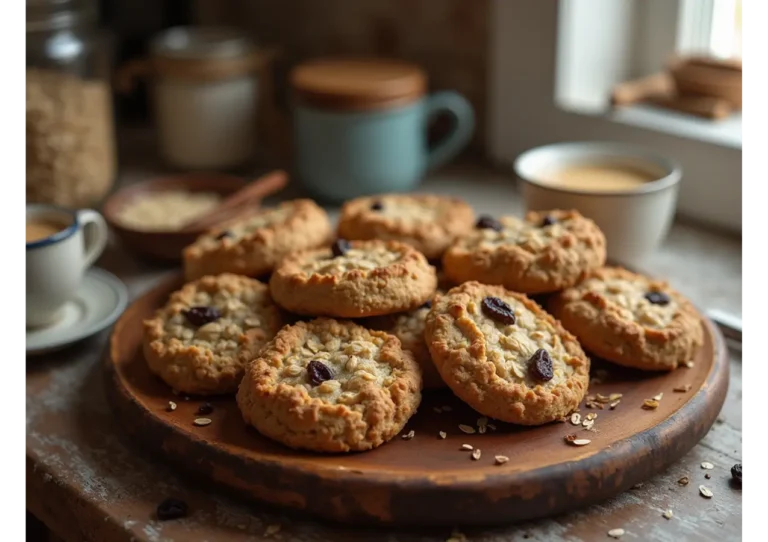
x=725 y=132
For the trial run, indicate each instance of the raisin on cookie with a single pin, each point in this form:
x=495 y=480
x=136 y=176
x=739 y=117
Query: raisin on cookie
x=505 y=356
x=330 y=386
x=546 y=252
x=201 y=340
x=354 y=279
x=409 y=328
x=427 y=222
x=630 y=319
x=252 y=245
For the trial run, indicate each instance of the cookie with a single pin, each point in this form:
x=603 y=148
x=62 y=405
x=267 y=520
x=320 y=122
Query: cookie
x=546 y=252
x=252 y=245
x=409 y=328
x=330 y=386
x=427 y=222
x=354 y=279
x=201 y=340
x=505 y=356
x=630 y=319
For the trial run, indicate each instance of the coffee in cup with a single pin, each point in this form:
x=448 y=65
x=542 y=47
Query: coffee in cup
x=61 y=246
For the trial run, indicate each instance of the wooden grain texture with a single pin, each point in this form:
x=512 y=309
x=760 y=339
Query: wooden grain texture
x=426 y=480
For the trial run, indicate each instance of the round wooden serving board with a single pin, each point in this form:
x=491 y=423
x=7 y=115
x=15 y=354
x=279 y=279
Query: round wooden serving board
x=427 y=480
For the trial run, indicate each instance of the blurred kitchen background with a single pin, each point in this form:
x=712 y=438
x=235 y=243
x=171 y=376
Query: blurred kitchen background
x=534 y=73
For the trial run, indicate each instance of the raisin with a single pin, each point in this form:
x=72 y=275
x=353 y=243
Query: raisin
x=657 y=298
x=540 y=366
x=377 y=206
x=736 y=473
x=486 y=222
x=427 y=304
x=498 y=310
x=548 y=221
x=340 y=247
x=318 y=372
x=199 y=316
x=205 y=408
x=225 y=233
x=171 y=508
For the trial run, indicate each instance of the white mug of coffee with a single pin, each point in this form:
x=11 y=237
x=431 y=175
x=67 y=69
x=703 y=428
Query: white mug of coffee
x=61 y=246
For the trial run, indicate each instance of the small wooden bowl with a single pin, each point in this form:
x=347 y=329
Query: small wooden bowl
x=165 y=245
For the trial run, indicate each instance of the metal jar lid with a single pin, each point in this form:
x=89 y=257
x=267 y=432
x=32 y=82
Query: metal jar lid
x=201 y=42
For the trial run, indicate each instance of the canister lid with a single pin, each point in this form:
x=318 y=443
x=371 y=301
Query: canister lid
x=358 y=83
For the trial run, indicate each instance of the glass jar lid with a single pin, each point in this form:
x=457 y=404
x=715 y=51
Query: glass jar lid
x=201 y=42
x=44 y=15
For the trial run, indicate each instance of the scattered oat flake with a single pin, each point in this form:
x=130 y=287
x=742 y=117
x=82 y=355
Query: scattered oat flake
x=658 y=397
x=588 y=423
x=600 y=398
x=575 y=418
x=468 y=429
x=614 y=404
x=650 y=404
x=501 y=459
x=491 y=427
x=171 y=406
x=467 y=447
x=683 y=481
x=683 y=389
x=482 y=429
x=200 y=422
x=476 y=454
x=272 y=529
x=442 y=434
x=689 y=364
x=707 y=465
x=579 y=441
x=591 y=416
x=615 y=396
x=616 y=533
x=668 y=514
x=409 y=435
x=706 y=492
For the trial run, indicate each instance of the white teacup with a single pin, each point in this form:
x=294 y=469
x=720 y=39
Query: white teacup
x=61 y=246
x=635 y=220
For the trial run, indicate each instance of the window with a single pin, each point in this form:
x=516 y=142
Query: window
x=713 y=26
x=553 y=65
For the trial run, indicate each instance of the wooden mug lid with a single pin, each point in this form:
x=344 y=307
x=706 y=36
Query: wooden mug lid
x=358 y=83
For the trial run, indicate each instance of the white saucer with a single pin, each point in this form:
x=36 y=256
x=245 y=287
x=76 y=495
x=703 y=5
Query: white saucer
x=102 y=297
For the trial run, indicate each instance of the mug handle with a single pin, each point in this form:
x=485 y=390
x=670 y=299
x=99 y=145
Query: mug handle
x=460 y=109
x=95 y=233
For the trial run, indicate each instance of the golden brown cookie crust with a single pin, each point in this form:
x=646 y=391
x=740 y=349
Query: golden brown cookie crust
x=210 y=359
x=373 y=278
x=258 y=241
x=526 y=257
x=486 y=363
x=428 y=222
x=409 y=328
x=374 y=391
x=612 y=319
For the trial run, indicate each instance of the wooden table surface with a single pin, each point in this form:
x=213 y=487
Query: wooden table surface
x=87 y=481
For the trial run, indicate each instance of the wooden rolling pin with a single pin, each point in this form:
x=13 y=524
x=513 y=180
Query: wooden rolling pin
x=247 y=198
x=701 y=106
x=658 y=85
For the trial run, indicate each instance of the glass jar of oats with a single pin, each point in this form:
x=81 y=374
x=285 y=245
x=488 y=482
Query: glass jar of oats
x=70 y=128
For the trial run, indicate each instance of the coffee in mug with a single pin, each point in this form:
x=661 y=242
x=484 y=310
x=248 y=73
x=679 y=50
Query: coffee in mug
x=61 y=246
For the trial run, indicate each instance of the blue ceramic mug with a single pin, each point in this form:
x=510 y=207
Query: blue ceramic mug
x=346 y=154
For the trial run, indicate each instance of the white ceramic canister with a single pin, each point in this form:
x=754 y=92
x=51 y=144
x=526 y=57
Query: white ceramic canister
x=204 y=86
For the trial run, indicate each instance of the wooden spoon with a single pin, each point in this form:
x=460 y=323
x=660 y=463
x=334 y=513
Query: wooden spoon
x=247 y=197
